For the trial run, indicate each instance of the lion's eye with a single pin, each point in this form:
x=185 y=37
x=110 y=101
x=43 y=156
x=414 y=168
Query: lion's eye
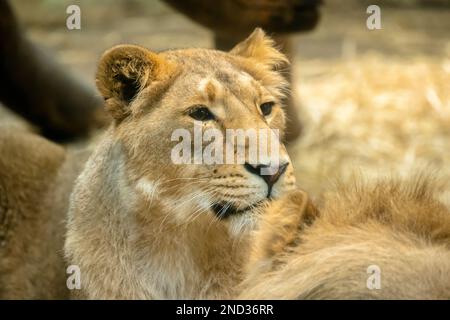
x=201 y=113
x=266 y=108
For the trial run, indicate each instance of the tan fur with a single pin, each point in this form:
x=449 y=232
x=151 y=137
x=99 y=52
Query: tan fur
x=140 y=226
x=36 y=179
x=396 y=225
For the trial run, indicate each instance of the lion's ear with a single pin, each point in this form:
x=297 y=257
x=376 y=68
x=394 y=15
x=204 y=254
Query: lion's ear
x=261 y=48
x=123 y=72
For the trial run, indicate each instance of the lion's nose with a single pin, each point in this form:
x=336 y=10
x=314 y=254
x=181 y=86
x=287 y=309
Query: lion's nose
x=267 y=172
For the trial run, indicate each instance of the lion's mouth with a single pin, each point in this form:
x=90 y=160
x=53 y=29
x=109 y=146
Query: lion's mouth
x=224 y=210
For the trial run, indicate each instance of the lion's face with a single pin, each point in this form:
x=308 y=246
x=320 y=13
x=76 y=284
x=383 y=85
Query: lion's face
x=185 y=117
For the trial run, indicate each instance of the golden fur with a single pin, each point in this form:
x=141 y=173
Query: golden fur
x=36 y=180
x=304 y=253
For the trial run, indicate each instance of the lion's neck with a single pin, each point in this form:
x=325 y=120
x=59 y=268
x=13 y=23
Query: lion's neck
x=127 y=248
x=187 y=261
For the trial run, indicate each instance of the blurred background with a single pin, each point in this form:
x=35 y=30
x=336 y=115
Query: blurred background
x=375 y=101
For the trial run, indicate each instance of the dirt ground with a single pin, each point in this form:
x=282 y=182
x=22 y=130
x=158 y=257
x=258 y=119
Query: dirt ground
x=373 y=101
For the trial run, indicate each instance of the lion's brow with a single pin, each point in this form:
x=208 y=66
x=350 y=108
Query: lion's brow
x=210 y=88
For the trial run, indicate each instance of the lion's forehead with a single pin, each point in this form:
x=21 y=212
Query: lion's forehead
x=219 y=84
x=213 y=71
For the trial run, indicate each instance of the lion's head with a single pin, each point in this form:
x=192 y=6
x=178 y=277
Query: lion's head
x=152 y=96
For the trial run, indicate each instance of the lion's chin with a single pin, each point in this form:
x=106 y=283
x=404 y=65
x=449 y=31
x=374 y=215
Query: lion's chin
x=240 y=221
x=224 y=210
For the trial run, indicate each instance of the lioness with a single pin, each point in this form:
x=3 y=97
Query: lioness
x=140 y=226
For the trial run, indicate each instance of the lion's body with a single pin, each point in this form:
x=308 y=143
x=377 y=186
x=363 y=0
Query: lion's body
x=385 y=240
x=36 y=180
